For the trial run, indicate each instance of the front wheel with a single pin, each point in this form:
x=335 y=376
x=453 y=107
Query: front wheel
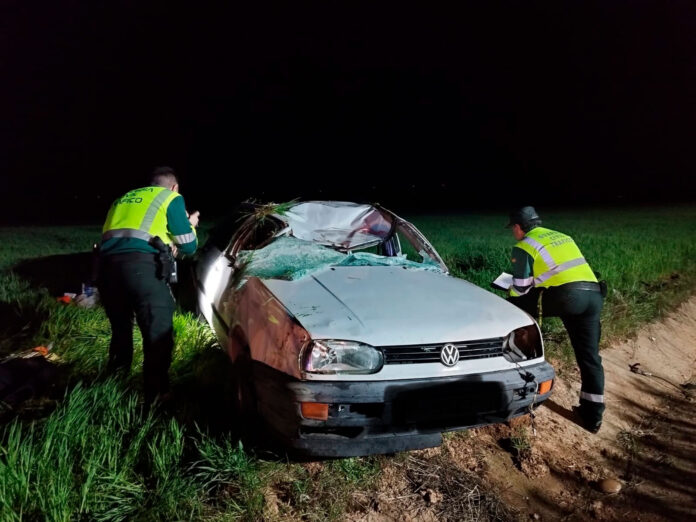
x=245 y=394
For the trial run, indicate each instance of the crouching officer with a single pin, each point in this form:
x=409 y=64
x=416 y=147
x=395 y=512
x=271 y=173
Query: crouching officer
x=136 y=266
x=552 y=278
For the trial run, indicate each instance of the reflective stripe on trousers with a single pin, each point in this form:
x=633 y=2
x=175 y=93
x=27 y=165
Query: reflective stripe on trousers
x=592 y=397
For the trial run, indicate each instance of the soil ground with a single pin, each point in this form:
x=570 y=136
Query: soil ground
x=647 y=443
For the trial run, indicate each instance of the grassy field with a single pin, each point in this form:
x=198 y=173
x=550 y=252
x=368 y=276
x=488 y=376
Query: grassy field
x=88 y=451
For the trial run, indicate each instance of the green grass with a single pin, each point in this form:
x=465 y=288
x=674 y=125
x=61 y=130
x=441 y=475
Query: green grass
x=98 y=456
x=20 y=243
x=520 y=440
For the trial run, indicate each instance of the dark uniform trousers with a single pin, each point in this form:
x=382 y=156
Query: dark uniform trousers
x=129 y=286
x=580 y=310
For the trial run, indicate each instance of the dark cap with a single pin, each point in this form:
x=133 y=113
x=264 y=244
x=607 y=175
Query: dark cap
x=525 y=217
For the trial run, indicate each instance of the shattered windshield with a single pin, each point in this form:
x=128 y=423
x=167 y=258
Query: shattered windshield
x=293 y=241
x=291 y=258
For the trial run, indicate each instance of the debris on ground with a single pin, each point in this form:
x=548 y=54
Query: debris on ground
x=66 y=298
x=88 y=298
x=636 y=368
x=87 y=301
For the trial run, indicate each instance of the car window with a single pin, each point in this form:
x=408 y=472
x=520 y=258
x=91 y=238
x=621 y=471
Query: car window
x=408 y=249
x=388 y=248
x=415 y=247
x=254 y=234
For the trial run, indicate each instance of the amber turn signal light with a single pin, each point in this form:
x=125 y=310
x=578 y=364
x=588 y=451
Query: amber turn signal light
x=545 y=387
x=315 y=410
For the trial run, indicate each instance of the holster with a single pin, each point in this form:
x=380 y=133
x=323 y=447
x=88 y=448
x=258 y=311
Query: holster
x=602 y=283
x=166 y=264
x=603 y=287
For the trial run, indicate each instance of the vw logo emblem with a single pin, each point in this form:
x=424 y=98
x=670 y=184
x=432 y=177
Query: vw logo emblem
x=449 y=355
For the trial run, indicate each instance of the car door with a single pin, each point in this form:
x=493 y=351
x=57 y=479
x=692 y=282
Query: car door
x=216 y=270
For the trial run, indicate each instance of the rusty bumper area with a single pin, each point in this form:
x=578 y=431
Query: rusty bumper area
x=369 y=417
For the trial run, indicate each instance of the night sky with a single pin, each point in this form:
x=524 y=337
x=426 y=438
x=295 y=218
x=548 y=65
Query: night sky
x=550 y=103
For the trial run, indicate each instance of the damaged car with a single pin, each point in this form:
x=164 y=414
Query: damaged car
x=349 y=336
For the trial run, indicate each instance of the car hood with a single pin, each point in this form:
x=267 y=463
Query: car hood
x=384 y=306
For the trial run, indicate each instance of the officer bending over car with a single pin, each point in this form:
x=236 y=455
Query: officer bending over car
x=143 y=231
x=553 y=279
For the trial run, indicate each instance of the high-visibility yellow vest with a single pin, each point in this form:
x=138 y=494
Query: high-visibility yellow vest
x=557 y=259
x=141 y=214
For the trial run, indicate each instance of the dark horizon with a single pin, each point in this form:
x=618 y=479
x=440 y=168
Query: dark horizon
x=467 y=108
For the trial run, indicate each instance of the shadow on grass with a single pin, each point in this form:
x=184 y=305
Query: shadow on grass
x=19 y=322
x=205 y=399
x=58 y=274
x=204 y=393
x=30 y=387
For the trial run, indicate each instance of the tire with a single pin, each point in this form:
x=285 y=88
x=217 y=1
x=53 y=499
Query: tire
x=244 y=393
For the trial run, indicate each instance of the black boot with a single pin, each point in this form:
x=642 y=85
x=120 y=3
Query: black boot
x=587 y=420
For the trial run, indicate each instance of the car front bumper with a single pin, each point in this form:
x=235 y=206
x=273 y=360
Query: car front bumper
x=368 y=417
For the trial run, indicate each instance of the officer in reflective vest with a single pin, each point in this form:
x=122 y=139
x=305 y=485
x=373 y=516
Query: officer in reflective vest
x=132 y=280
x=553 y=279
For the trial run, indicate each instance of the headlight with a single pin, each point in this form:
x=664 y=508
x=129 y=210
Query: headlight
x=523 y=344
x=341 y=357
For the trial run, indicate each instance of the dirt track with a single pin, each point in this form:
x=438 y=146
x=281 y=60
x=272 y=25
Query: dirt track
x=647 y=442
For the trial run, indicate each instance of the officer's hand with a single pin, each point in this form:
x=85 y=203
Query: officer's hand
x=193 y=219
x=175 y=251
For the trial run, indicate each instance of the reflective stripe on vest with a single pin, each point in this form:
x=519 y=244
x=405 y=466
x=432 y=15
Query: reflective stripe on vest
x=140 y=214
x=182 y=239
x=149 y=218
x=554 y=254
x=126 y=232
x=553 y=267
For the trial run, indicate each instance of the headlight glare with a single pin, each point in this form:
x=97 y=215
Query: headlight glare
x=332 y=357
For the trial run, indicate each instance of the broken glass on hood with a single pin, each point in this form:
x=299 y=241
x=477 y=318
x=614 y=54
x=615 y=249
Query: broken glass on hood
x=291 y=258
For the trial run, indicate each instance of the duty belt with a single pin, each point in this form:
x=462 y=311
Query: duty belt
x=581 y=285
x=128 y=256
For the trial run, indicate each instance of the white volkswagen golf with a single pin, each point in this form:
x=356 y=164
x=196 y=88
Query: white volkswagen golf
x=348 y=335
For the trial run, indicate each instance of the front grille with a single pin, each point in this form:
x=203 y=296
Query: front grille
x=427 y=353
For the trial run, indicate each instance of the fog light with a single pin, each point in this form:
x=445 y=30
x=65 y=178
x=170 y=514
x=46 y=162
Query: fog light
x=315 y=410
x=545 y=387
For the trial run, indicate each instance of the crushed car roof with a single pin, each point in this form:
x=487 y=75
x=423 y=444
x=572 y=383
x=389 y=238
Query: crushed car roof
x=337 y=224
